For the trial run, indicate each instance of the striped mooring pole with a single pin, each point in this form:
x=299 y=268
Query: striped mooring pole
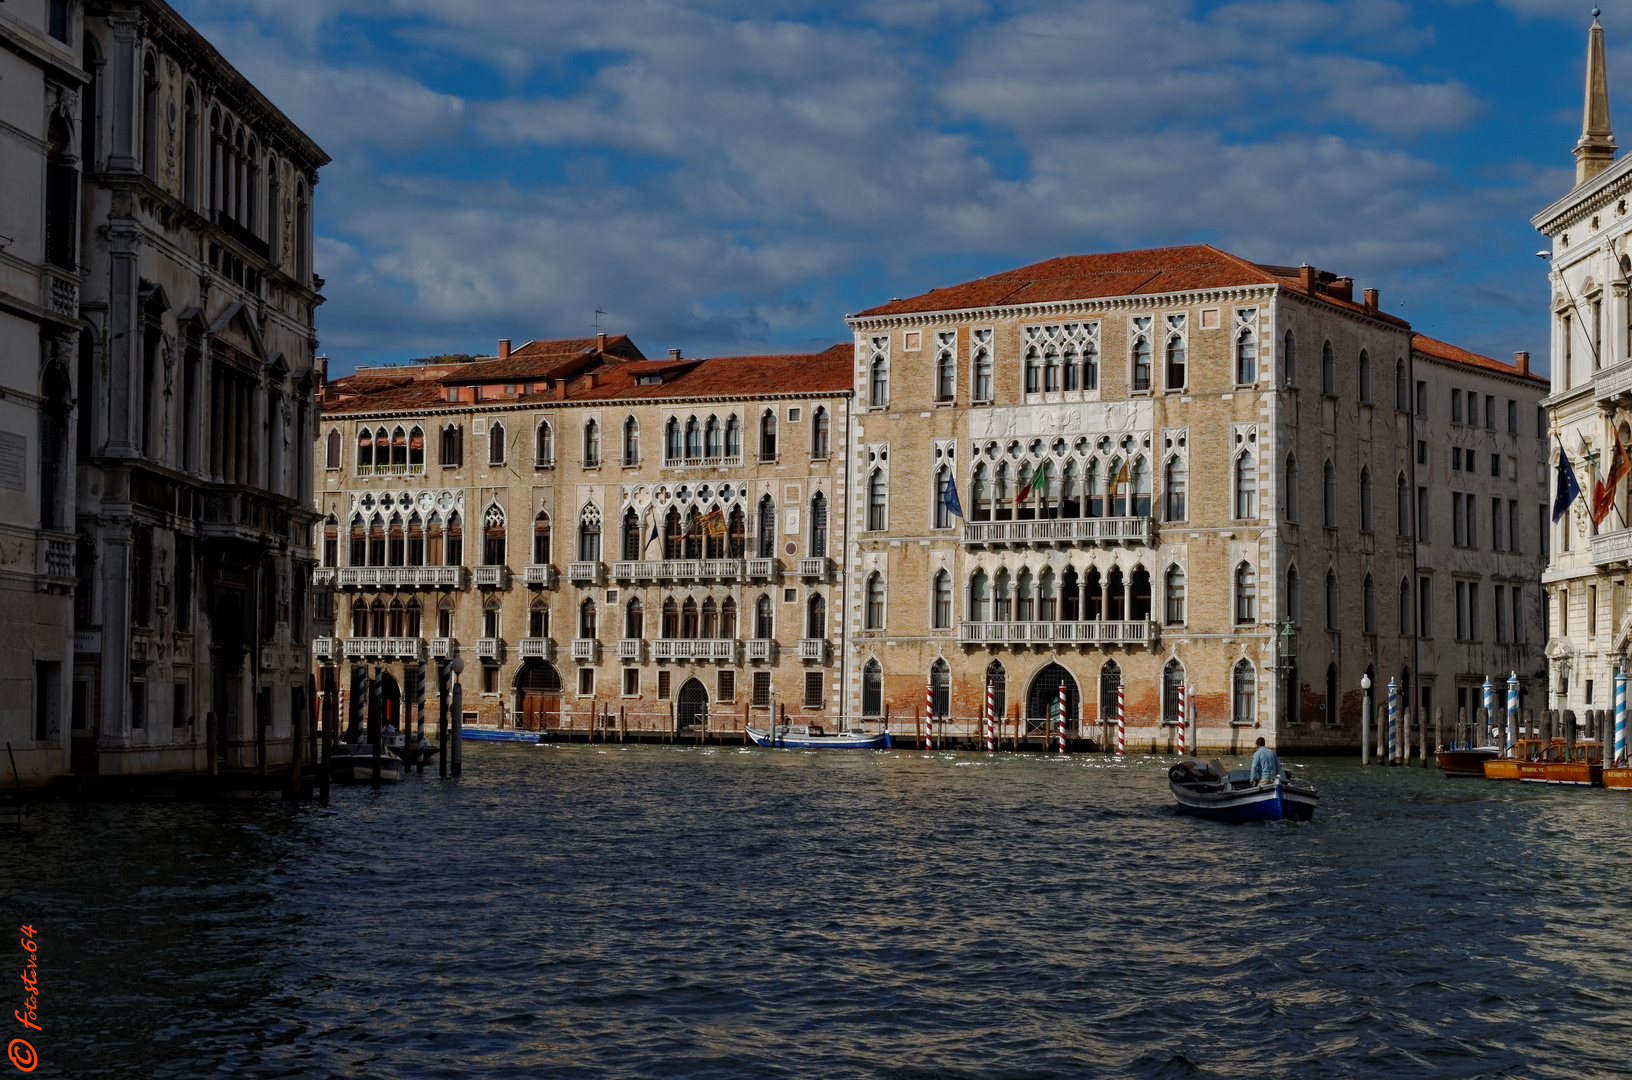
x=1620 y=716
x=1184 y=721
x=1393 y=722
x=1512 y=711
x=1490 y=709
x=1121 y=721
x=991 y=739
x=1059 y=721
x=929 y=716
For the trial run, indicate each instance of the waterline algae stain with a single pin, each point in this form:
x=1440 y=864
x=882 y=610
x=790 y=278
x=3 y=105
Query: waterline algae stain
x=723 y=912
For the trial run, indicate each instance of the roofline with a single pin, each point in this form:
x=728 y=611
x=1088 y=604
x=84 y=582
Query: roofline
x=1513 y=373
x=1577 y=199
x=555 y=403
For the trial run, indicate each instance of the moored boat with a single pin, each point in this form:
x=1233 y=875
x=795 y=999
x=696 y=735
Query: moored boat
x=1465 y=760
x=1581 y=764
x=1506 y=767
x=1618 y=776
x=479 y=734
x=1209 y=791
x=817 y=737
x=354 y=762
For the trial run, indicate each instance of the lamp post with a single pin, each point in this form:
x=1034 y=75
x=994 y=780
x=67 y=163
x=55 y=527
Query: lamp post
x=1561 y=695
x=1365 y=720
x=458 y=765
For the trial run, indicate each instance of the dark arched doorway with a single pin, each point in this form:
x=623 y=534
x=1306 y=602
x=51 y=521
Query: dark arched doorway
x=692 y=707
x=540 y=687
x=1045 y=695
x=390 y=701
x=1110 y=677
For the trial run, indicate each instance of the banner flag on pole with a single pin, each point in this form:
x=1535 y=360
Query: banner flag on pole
x=951 y=502
x=1567 y=490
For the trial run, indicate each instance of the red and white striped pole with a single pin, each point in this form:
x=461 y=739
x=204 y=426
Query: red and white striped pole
x=1059 y=722
x=929 y=716
x=1121 y=721
x=1184 y=721
x=991 y=740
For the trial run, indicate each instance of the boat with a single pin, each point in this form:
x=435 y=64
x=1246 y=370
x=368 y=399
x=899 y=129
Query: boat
x=478 y=734
x=1211 y=792
x=1581 y=764
x=354 y=762
x=1618 y=776
x=1465 y=760
x=1506 y=766
x=817 y=737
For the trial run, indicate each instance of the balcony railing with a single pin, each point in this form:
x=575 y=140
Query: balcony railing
x=723 y=569
x=384 y=648
x=322 y=577
x=816 y=568
x=1139 y=632
x=490 y=577
x=813 y=650
x=323 y=648
x=723 y=650
x=632 y=649
x=678 y=570
x=585 y=573
x=586 y=651
x=59 y=291
x=406 y=468
x=765 y=570
x=1612 y=382
x=762 y=649
x=443 y=647
x=400 y=577
x=539 y=574
x=1103 y=530
x=1612 y=547
x=703 y=462
x=490 y=648
x=537 y=648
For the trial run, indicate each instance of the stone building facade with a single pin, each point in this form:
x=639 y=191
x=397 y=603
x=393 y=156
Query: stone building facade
x=1213 y=444
x=596 y=534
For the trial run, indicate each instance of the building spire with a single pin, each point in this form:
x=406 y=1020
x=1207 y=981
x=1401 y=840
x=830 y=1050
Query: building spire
x=1596 y=149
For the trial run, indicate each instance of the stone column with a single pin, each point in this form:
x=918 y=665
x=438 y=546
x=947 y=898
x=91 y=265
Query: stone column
x=121 y=75
x=124 y=332
x=114 y=566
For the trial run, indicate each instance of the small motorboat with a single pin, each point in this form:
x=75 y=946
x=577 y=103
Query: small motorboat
x=354 y=763
x=1581 y=764
x=1618 y=776
x=817 y=737
x=479 y=734
x=1211 y=792
x=1506 y=765
x=1465 y=760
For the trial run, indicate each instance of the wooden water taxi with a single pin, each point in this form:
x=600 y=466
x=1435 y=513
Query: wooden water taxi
x=1618 y=776
x=1465 y=760
x=1506 y=767
x=1581 y=764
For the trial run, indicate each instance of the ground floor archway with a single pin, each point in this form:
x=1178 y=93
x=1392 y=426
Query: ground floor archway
x=1044 y=696
x=691 y=708
x=539 y=686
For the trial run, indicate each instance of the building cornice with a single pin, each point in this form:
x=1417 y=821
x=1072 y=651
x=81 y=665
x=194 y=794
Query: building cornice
x=459 y=408
x=1597 y=193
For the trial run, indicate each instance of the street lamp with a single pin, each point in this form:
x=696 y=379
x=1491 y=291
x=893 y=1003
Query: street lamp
x=1365 y=717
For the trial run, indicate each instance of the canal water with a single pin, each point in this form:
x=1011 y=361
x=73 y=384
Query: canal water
x=585 y=911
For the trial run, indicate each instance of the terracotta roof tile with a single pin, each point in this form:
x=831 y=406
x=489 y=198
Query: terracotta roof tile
x=1441 y=350
x=831 y=371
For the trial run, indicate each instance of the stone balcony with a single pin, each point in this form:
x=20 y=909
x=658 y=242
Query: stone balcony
x=54 y=562
x=539 y=575
x=586 y=651
x=632 y=650
x=325 y=648
x=323 y=577
x=384 y=648
x=400 y=577
x=1612 y=547
x=585 y=573
x=1139 y=632
x=637 y=571
x=1612 y=383
x=762 y=649
x=720 y=650
x=537 y=648
x=490 y=648
x=765 y=570
x=816 y=568
x=732 y=461
x=1048 y=532
x=442 y=648
x=490 y=577
x=813 y=650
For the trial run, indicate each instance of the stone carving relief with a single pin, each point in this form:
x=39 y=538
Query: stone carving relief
x=1092 y=417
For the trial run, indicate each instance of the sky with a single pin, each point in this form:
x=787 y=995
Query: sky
x=736 y=176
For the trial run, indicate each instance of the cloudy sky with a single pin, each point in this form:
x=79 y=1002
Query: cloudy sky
x=734 y=176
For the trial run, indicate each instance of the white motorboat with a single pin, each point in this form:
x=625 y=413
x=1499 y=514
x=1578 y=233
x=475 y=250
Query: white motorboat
x=817 y=737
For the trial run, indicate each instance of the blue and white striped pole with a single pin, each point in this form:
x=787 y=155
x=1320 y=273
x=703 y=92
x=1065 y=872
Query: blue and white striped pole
x=1512 y=710
x=1620 y=716
x=1393 y=722
x=1490 y=712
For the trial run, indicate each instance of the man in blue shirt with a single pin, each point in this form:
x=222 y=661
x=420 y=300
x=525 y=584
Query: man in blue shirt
x=1265 y=764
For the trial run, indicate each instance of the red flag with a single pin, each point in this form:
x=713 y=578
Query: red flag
x=1603 y=492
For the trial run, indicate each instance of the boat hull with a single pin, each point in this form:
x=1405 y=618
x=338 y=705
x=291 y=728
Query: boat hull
x=1268 y=802
x=474 y=734
x=1502 y=769
x=357 y=769
x=1469 y=762
x=1579 y=773
x=1619 y=777
x=841 y=741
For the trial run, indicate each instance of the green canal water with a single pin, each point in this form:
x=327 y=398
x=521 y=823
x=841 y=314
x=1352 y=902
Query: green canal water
x=576 y=911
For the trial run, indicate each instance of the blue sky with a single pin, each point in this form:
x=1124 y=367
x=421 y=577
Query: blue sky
x=735 y=176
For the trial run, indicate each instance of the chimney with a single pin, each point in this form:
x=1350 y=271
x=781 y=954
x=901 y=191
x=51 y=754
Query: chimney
x=1521 y=360
x=594 y=379
x=1371 y=301
x=504 y=347
x=1306 y=278
x=600 y=341
x=674 y=354
x=561 y=389
x=1342 y=288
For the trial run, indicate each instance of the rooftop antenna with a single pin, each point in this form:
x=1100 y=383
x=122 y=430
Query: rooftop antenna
x=598 y=314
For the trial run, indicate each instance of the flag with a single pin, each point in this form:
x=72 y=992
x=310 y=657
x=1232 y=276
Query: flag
x=1567 y=490
x=1031 y=485
x=1603 y=492
x=650 y=538
x=950 y=499
x=715 y=522
x=1120 y=478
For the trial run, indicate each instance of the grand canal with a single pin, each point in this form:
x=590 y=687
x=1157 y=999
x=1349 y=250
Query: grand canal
x=714 y=912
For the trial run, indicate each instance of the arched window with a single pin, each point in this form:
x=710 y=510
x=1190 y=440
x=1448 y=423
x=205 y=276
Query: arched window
x=393 y=623
x=543 y=445
x=399 y=450
x=877 y=493
x=1329 y=706
x=592 y=443
x=376 y=619
x=669 y=626
x=942 y=513
x=1368 y=597
x=394 y=548
x=495 y=444
x=629 y=536
x=767 y=528
x=586 y=620
x=359 y=618
x=331 y=453
x=818 y=525
x=764 y=623
x=1366 y=522
x=455 y=541
x=365 y=452
x=150 y=117
x=982 y=365
x=1245 y=697
x=453 y=445
x=303 y=258
x=493 y=536
x=376 y=541
x=819 y=433
x=711 y=438
x=733 y=437
x=1294 y=597
x=61 y=198
x=945 y=374
x=942 y=613
x=444 y=618
x=1173 y=593
x=688 y=619
x=1328 y=370
x=416 y=449
x=1246 y=487
x=1051 y=369
x=538 y=618
x=1246 y=593
x=1246 y=357
x=980 y=600
x=631 y=441
x=878 y=386
x=414 y=618
x=1141 y=487
x=694 y=438
x=1033 y=371
x=1002 y=603
x=1328 y=495
x=875 y=601
x=1172 y=680
x=1173 y=487
x=1141 y=362
x=671 y=439
x=940 y=688
x=1176 y=356
x=872 y=689
x=541 y=538
x=589 y=534
x=1402 y=391
x=998 y=683
x=1405 y=607
x=767 y=435
x=1289 y=359
x=1402 y=506
x=1333 y=614
x=711 y=619
x=728 y=618
x=816 y=616
x=1365 y=377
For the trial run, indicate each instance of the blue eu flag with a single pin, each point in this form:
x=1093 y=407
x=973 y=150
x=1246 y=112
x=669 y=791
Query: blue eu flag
x=950 y=499
x=1568 y=490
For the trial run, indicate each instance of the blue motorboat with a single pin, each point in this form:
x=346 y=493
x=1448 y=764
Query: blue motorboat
x=476 y=734
x=816 y=737
x=1211 y=792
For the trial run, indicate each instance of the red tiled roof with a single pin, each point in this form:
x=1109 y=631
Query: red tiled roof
x=544 y=360
x=1115 y=273
x=828 y=372
x=1441 y=350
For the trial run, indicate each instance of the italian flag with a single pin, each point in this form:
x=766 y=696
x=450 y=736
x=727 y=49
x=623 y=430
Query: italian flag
x=1031 y=485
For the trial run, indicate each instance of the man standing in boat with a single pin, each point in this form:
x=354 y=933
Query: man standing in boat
x=1266 y=764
